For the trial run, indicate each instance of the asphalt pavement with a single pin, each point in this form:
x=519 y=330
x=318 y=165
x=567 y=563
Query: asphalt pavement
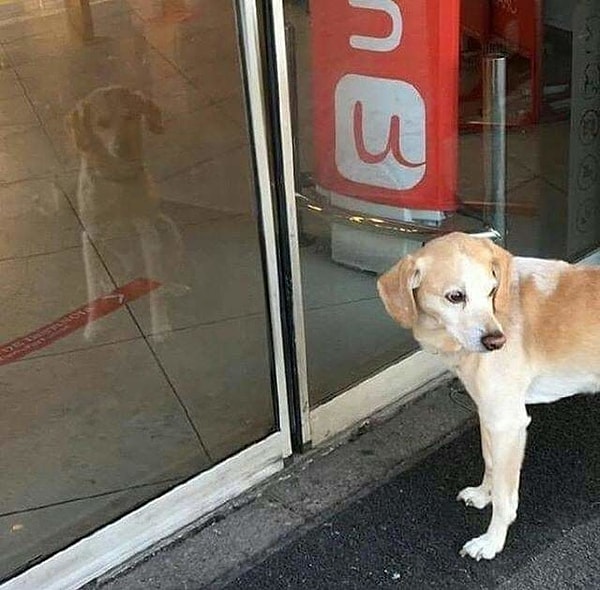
x=408 y=532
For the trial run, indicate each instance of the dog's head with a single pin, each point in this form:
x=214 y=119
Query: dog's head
x=111 y=116
x=458 y=283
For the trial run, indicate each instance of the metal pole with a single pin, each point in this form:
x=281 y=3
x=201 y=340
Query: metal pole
x=494 y=141
x=290 y=42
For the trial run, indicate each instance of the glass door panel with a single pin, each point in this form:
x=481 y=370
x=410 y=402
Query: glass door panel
x=389 y=129
x=134 y=335
x=552 y=52
x=347 y=335
x=374 y=178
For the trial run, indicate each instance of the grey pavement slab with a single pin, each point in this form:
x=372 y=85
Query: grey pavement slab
x=403 y=528
x=221 y=547
x=297 y=499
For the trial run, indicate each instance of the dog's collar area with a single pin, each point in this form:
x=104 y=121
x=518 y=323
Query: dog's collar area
x=123 y=176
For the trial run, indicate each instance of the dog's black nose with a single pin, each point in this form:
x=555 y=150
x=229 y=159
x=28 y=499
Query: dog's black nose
x=494 y=340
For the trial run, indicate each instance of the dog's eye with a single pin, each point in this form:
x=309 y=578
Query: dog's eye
x=493 y=291
x=455 y=297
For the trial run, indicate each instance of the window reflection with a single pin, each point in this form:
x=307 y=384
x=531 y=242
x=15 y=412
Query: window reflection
x=134 y=341
x=359 y=129
x=117 y=197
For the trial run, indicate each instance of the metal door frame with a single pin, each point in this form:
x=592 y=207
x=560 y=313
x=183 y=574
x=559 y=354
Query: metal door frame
x=375 y=391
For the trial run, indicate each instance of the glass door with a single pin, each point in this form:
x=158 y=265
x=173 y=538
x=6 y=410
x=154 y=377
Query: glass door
x=412 y=118
x=373 y=154
x=551 y=51
x=139 y=332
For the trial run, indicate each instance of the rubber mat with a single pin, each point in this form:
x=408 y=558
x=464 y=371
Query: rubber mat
x=408 y=532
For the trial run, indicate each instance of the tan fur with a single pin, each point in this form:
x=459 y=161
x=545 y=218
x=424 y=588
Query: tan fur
x=548 y=315
x=550 y=340
x=396 y=290
x=117 y=198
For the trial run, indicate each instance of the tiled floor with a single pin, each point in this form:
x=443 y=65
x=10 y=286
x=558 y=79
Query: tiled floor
x=30 y=534
x=93 y=426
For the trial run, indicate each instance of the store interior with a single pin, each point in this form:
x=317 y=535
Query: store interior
x=134 y=342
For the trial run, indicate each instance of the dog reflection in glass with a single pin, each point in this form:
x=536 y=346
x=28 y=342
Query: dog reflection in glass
x=117 y=201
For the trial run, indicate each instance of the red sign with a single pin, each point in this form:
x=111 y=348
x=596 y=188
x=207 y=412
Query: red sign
x=21 y=347
x=385 y=92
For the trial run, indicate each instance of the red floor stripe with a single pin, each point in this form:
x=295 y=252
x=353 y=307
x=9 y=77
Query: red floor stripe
x=46 y=335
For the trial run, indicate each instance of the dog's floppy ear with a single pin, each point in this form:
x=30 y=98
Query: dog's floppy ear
x=151 y=112
x=502 y=269
x=396 y=288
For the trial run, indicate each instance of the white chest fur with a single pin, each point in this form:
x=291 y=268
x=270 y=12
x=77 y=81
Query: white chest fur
x=551 y=387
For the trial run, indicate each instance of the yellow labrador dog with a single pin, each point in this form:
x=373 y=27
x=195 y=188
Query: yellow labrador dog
x=515 y=331
x=117 y=197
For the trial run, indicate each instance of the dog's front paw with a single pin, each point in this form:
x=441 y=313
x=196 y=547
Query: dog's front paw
x=485 y=547
x=478 y=497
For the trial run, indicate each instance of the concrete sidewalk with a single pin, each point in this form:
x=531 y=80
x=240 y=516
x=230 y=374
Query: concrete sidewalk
x=304 y=495
x=379 y=512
